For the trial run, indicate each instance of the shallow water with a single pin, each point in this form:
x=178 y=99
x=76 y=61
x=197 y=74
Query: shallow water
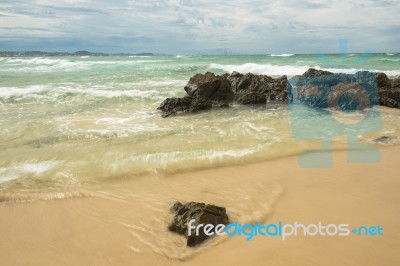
x=70 y=122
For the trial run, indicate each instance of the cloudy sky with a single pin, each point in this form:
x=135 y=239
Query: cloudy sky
x=200 y=26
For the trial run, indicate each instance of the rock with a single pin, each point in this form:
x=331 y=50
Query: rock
x=259 y=89
x=384 y=139
x=208 y=90
x=382 y=80
x=395 y=82
x=348 y=96
x=210 y=87
x=202 y=213
x=204 y=91
x=389 y=97
x=324 y=89
x=186 y=104
x=389 y=90
x=316 y=88
x=312 y=72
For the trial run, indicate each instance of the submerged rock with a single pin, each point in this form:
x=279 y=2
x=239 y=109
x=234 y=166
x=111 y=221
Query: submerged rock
x=384 y=139
x=202 y=213
x=186 y=104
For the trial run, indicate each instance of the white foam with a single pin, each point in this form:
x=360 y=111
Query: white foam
x=139 y=56
x=264 y=69
x=9 y=92
x=52 y=92
x=389 y=59
x=15 y=171
x=282 y=55
x=289 y=70
x=40 y=64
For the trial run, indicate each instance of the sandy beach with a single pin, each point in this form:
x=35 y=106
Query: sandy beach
x=142 y=132
x=125 y=222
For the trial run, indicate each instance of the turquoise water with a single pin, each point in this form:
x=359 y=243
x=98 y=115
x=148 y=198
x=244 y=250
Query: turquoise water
x=73 y=121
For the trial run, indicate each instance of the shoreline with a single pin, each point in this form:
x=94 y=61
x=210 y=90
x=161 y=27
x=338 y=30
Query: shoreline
x=110 y=226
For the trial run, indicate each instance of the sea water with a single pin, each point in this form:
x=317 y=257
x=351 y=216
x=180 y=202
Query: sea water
x=70 y=122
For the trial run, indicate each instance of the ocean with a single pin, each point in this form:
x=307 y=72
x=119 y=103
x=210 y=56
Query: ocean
x=69 y=123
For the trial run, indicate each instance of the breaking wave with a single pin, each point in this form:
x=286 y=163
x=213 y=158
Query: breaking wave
x=281 y=55
x=49 y=92
x=289 y=70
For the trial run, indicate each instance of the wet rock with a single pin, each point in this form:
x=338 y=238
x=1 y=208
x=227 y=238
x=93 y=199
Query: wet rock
x=210 y=87
x=382 y=80
x=259 y=89
x=389 y=90
x=202 y=213
x=323 y=89
x=208 y=90
x=389 y=97
x=396 y=82
x=312 y=72
x=316 y=88
x=384 y=139
x=187 y=104
x=204 y=91
x=355 y=97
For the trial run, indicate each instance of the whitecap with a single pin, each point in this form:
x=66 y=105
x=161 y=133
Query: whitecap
x=14 y=171
x=264 y=69
x=281 y=55
x=289 y=70
x=53 y=92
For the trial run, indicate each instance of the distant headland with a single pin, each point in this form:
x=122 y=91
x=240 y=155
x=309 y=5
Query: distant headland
x=77 y=53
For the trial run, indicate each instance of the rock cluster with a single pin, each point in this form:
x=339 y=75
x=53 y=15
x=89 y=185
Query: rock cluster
x=205 y=91
x=324 y=89
x=317 y=88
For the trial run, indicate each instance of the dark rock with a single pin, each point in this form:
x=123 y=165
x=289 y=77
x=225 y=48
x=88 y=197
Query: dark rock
x=202 y=213
x=382 y=80
x=384 y=139
x=356 y=97
x=174 y=105
x=259 y=89
x=389 y=97
x=389 y=91
x=324 y=89
x=317 y=88
x=396 y=82
x=312 y=72
x=187 y=104
x=203 y=92
x=210 y=87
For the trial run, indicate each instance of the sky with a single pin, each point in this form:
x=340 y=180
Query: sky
x=200 y=26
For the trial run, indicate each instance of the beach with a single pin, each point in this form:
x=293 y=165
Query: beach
x=191 y=133
x=90 y=168
x=122 y=223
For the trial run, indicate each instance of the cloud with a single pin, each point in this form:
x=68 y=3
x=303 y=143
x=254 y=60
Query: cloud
x=186 y=26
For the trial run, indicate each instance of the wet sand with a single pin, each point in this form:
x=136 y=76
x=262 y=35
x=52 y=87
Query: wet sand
x=124 y=222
